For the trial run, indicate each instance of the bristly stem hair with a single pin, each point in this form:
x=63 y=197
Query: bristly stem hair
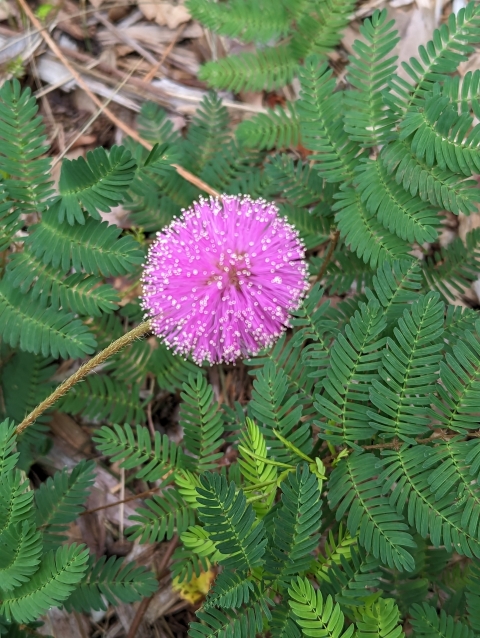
x=117 y=345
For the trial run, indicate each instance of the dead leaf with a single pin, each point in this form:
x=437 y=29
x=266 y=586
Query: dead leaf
x=164 y=13
x=5 y=11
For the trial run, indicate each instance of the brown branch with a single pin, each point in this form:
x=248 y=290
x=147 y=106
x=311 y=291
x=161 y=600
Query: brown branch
x=162 y=570
x=125 y=500
x=151 y=74
x=82 y=372
x=333 y=243
x=193 y=179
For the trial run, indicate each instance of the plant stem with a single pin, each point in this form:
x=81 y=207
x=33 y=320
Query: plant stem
x=82 y=372
x=333 y=243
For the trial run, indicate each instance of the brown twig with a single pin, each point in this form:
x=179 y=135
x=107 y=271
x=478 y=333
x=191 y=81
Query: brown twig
x=151 y=74
x=193 y=179
x=82 y=372
x=331 y=248
x=162 y=570
x=396 y=444
x=125 y=500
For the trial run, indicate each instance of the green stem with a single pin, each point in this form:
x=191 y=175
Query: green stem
x=82 y=372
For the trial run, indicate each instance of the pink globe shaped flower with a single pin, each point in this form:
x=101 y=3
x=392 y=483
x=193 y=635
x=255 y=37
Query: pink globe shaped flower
x=221 y=280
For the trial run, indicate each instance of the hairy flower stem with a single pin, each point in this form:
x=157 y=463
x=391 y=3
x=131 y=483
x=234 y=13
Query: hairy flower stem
x=82 y=372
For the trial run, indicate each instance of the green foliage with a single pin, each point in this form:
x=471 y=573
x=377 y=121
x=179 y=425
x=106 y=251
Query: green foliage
x=58 y=574
x=451 y=44
x=409 y=371
x=93 y=247
x=111 y=580
x=381 y=620
x=321 y=124
x=94 y=184
x=353 y=368
x=202 y=425
x=23 y=143
x=101 y=397
x=278 y=128
x=60 y=500
x=135 y=449
x=298 y=28
x=315 y=616
x=379 y=526
x=37 y=570
x=165 y=516
x=427 y=622
x=228 y=521
x=366 y=120
x=41 y=330
x=295 y=527
x=337 y=493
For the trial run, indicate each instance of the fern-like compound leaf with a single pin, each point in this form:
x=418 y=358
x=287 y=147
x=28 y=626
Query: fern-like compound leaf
x=21 y=550
x=428 y=623
x=363 y=233
x=244 y=622
x=265 y=70
x=229 y=521
x=271 y=407
x=298 y=183
x=22 y=145
x=409 y=218
x=162 y=517
x=207 y=133
x=314 y=330
x=171 y=371
x=85 y=295
x=450 y=46
x=101 y=397
x=442 y=518
x=95 y=183
x=282 y=624
x=395 y=285
x=277 y=128
x=438 y=134
x=202 y=424
x=231 y=590
x=94 y=247
x=457 y=399
x=410 y=366
x=352 y=580
x=319 y=27
x=473 y=596
x=41 y=330
x=255 y=469
x=366 y=120
x=441 y=188
x=380 y=528
x=8 y=440
x=135 y=449
x=57 y=576
x=319 y=109
x=110 y=581
x=316 y=616
x=60 y=499
x=354 y=360
x=246 y=20
x=382 y=620
x=296 y=525
x=10 y=220
x=454 y=463
x=454 y=267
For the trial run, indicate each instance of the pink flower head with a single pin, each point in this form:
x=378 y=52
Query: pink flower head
x=221 y=280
